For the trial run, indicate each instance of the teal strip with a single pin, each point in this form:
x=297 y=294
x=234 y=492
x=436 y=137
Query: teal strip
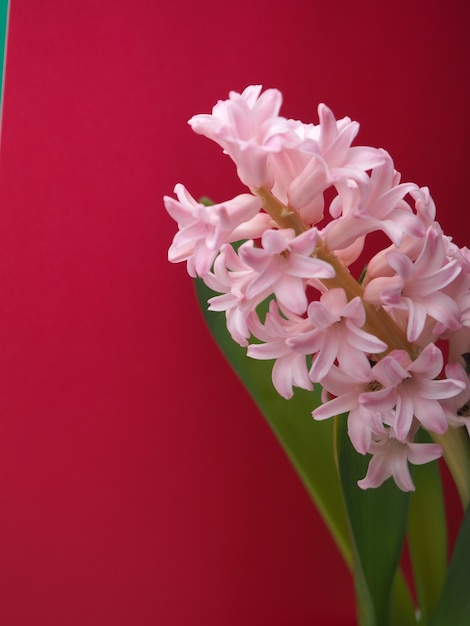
x=4 y=18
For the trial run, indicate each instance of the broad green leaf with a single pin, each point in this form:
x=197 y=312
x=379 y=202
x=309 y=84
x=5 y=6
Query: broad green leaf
x=427 y=534
x=377 y=519
x=308 y=444
x=454 y=604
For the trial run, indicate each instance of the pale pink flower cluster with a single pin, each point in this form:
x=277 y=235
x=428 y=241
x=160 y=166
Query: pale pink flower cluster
x=369 y=342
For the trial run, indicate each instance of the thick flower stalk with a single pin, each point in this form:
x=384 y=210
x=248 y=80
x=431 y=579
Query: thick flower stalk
x=373 y=340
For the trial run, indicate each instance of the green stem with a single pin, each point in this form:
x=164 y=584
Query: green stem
x=456 y=445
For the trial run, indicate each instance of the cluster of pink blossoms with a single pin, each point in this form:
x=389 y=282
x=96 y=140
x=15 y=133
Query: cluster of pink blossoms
x=370 y=343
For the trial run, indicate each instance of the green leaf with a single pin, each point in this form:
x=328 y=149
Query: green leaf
x=308 y=444
x=427 y=534
x=402 y=610
x=454 y=604
x=378 y=519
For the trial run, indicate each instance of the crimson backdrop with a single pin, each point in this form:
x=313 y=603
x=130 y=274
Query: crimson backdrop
x=138 y=485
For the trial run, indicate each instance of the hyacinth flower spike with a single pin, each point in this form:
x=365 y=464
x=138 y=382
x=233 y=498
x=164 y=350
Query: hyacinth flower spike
x=279 y=260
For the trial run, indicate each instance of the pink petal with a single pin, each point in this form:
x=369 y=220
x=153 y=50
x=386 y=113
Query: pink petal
x=420 y=453
x=308 y=267
x=404 y=415
x=324 y=359
x=290 y=292
x=337 y=406
x=364 y=341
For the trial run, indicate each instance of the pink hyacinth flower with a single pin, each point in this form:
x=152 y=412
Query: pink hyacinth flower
x=417 y=287
x=247 y=126
x=230 y=278
x=370 y=204
x=284 y=264
x=337 y=335
x=416 y=390
x=351 y=395
x=290 y=368
x=390 y=459
x=317 y=157
x=331 y=139
x=203 y=229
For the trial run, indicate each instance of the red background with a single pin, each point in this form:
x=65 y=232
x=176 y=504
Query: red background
x=138 y=485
